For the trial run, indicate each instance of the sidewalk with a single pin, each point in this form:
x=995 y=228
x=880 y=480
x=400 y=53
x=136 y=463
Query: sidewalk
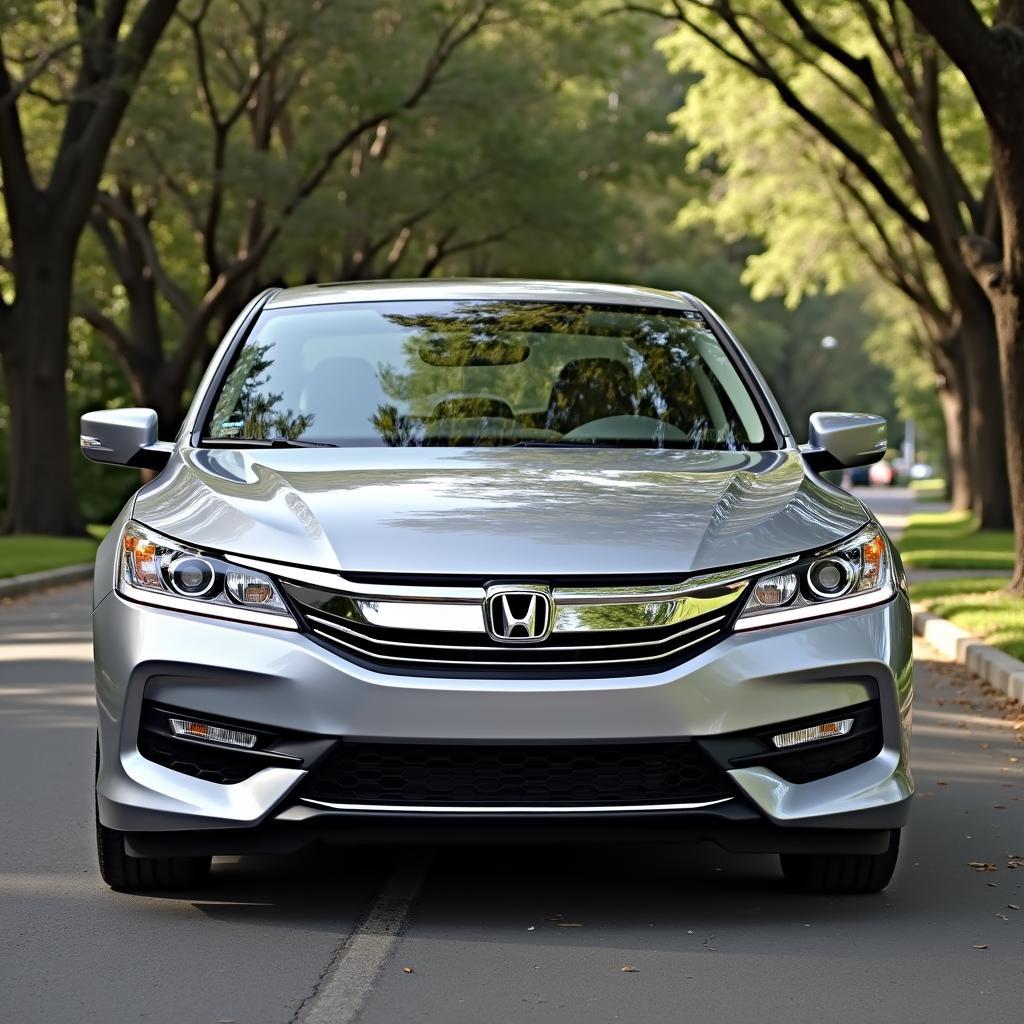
x=892 y=505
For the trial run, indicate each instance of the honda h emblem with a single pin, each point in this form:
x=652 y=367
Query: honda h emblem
x=518 y=614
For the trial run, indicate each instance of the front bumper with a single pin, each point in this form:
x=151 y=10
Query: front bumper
x=286 y=681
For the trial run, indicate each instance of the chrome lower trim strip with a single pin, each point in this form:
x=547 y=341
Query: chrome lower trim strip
x=434 y=809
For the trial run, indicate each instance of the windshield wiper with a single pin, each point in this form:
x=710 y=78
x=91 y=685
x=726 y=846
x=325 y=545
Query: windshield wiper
x=264 y=442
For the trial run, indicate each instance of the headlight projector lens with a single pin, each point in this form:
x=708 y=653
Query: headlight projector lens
x=830 y=577
x=191 y=576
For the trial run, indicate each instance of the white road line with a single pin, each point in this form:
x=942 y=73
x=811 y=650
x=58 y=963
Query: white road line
x=347 y=981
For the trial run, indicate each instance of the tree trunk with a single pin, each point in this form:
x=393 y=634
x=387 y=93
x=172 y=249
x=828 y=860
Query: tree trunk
x=35 y=358
x=167 y=399
x=987 y=452
x=1009 y=308
x=1005 y=286
x=954 y=413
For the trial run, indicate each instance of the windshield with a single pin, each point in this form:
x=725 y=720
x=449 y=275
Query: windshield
x=471 y=373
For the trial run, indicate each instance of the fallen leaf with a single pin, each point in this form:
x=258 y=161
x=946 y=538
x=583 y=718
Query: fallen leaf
x=629 y=969
x=986 y=746
x=942 y=782
x=981 y=865
x=407 y=970
x=981 y=945
x=1014 y=759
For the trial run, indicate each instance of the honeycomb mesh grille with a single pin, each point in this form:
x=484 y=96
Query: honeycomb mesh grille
x=212 y=764
x=507 y=776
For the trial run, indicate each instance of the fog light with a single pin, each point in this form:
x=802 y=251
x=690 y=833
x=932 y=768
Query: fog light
x=824 y=731
x=212 y=733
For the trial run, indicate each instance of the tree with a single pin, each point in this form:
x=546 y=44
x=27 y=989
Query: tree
x=491 y=144
x=82 y=68
x=234 y=169
x=991 y=58
x=850 y=107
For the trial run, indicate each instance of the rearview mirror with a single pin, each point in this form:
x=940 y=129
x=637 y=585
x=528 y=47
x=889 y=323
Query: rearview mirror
x=124 y=437
x=842 y=440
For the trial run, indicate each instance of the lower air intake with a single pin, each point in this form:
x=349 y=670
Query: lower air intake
x=501 y=776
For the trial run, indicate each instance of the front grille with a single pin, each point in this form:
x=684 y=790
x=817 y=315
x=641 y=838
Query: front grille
x=337 y=621
x=507 y=776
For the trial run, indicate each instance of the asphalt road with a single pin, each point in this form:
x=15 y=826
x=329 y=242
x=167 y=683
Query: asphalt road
x=535 y=934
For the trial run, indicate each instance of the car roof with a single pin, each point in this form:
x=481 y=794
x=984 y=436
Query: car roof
x=435 y=289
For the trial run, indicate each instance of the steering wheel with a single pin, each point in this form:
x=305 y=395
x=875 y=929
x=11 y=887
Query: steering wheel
x=626 y=428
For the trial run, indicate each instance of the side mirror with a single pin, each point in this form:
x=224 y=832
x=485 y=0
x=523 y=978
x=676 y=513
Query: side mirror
x=842 y=440
x=124 y=437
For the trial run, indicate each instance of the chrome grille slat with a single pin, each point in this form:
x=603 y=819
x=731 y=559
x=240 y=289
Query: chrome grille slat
x=599 y=630
x=504 y=664
x=545 y=647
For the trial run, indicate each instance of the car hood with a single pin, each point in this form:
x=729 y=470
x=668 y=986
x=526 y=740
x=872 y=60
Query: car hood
x=489 y=511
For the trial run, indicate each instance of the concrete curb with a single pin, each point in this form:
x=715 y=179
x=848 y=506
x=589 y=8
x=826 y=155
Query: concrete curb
x=994 y=666
x=33 y=581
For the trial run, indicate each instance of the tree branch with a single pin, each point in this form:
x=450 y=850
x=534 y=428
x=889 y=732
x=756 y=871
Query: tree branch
x=960 y=30
x=130 y=221
x=17 y=178
x=92 y=122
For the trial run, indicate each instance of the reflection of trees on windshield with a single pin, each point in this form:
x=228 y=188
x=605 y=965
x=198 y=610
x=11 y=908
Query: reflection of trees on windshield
x=629 y=364
x=247 y=408
x=482 y=373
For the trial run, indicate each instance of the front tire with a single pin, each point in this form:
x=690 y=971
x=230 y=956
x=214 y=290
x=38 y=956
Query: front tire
x=143 y=874
x=842 y=873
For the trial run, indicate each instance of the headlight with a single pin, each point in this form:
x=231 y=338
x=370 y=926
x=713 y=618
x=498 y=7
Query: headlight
x=156 y=570
x=854 y=574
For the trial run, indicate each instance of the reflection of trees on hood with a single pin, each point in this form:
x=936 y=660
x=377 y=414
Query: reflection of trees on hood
x=245 y=409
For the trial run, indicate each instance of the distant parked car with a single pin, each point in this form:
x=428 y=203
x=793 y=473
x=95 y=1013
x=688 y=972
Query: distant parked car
x=881 y=474
x=496 y=560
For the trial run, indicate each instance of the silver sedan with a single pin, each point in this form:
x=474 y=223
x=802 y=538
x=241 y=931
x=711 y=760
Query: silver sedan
x=494 y=561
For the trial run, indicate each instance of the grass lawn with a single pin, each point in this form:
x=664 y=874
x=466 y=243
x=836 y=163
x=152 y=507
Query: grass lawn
x=26 y=553
x=929 y=490
x=979 y=605
x=952 y=540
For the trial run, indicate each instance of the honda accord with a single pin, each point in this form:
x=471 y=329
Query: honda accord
x=495 y=561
